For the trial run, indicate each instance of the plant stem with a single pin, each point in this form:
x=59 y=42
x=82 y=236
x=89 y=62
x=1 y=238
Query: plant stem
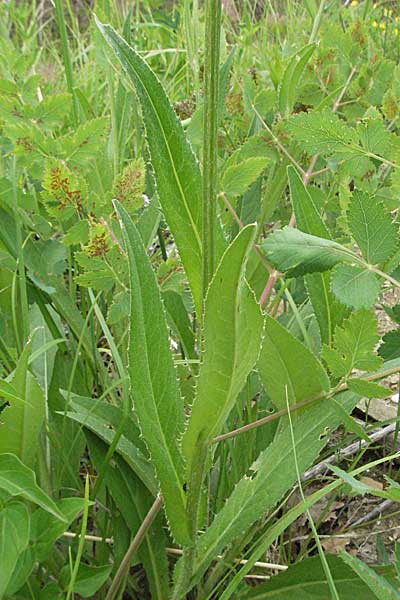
x=66 y=57
x=210 y=137
x=137 y=540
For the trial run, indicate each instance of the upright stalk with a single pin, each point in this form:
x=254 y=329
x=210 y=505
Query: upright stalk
x=210 y=157
x=66 y=57
x=210 y=137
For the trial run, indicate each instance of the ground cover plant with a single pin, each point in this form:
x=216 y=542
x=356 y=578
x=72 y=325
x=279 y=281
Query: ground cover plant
x=199 y=299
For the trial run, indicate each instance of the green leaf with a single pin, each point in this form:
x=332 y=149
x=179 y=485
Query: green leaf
x=270 y=476
x=377 y=584
x=77 y=234
x=238 y=178
x=296 y=253
x=372 y=228
x=328 y=311
x=291 y=77
x=349 y=423
x=232 y=330
x=176 y=170
x=156 y=396
x=85 y=143
x=14 y=539
x=51 y=111
x=22 y=421
x=180 y=321
x=9 y=392
x=307 y=579
x=286 y=364
x=391 y=345
x=353 y=346
x=18 y=480
x=96 y=421
x=88 y=581
x=355 y=287
x=134 y=503
x=46 y=529
x=324 y=133
x=368 y=389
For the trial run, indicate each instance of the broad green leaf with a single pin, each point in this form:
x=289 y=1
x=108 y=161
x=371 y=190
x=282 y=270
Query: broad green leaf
x=296 y=253
x=306 y=580
x=348 y=422
x=232 y=330
x=22 y=421
x=238 y=178
x=77 y=234
x=372 y=228
x=324 y=133
x=156 y=396
x=328 y=311
x=50 y=112
x=380 y=588
x=291 y=77
x=85 y=143
x=14 y=539
x=46 y=529
x=286 y=364
x=369 y=389
x=355 y=287
x=9 y=392
x=175 y=167
x=134 y=503
x=16 y=479
x=88 y=581
x=353 y=346
x=270 y=476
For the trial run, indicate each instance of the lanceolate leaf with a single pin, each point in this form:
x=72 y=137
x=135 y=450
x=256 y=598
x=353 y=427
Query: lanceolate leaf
x=271 y=475
x=286 y=364
x=380 y=588
x=296 y=253
x=372 y=228
x=328 y=310
x=307 y=579
x=291 y=77
x=22 y=421
x=232 y=331
x=176 y=170
x=154 y=386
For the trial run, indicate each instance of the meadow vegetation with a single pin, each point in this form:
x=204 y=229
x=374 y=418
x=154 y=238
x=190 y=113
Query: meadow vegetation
x=199 y=296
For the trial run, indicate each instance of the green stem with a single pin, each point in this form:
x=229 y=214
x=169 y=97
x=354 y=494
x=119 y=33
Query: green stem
x=210 y=136
x=66 y=57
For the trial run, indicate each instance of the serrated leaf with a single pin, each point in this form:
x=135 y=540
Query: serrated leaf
x=328 y=311
x=378 y=585
x=390 y=348
x=287 y=367
x=175 y=167
x=14 y=539
x=297 y=253
x=374 y=136
x=270 y=476
x=354 y=345
x=18 y=480
x=154 y=385
x=324 y=133
x=85 y=143
x=238 y=178
x=77 y=234
x=51 y=111
x=232 y=330
x=368 y=389
x=355 y=286
x=291 y=77
x=372 y=228
x=349 y=423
